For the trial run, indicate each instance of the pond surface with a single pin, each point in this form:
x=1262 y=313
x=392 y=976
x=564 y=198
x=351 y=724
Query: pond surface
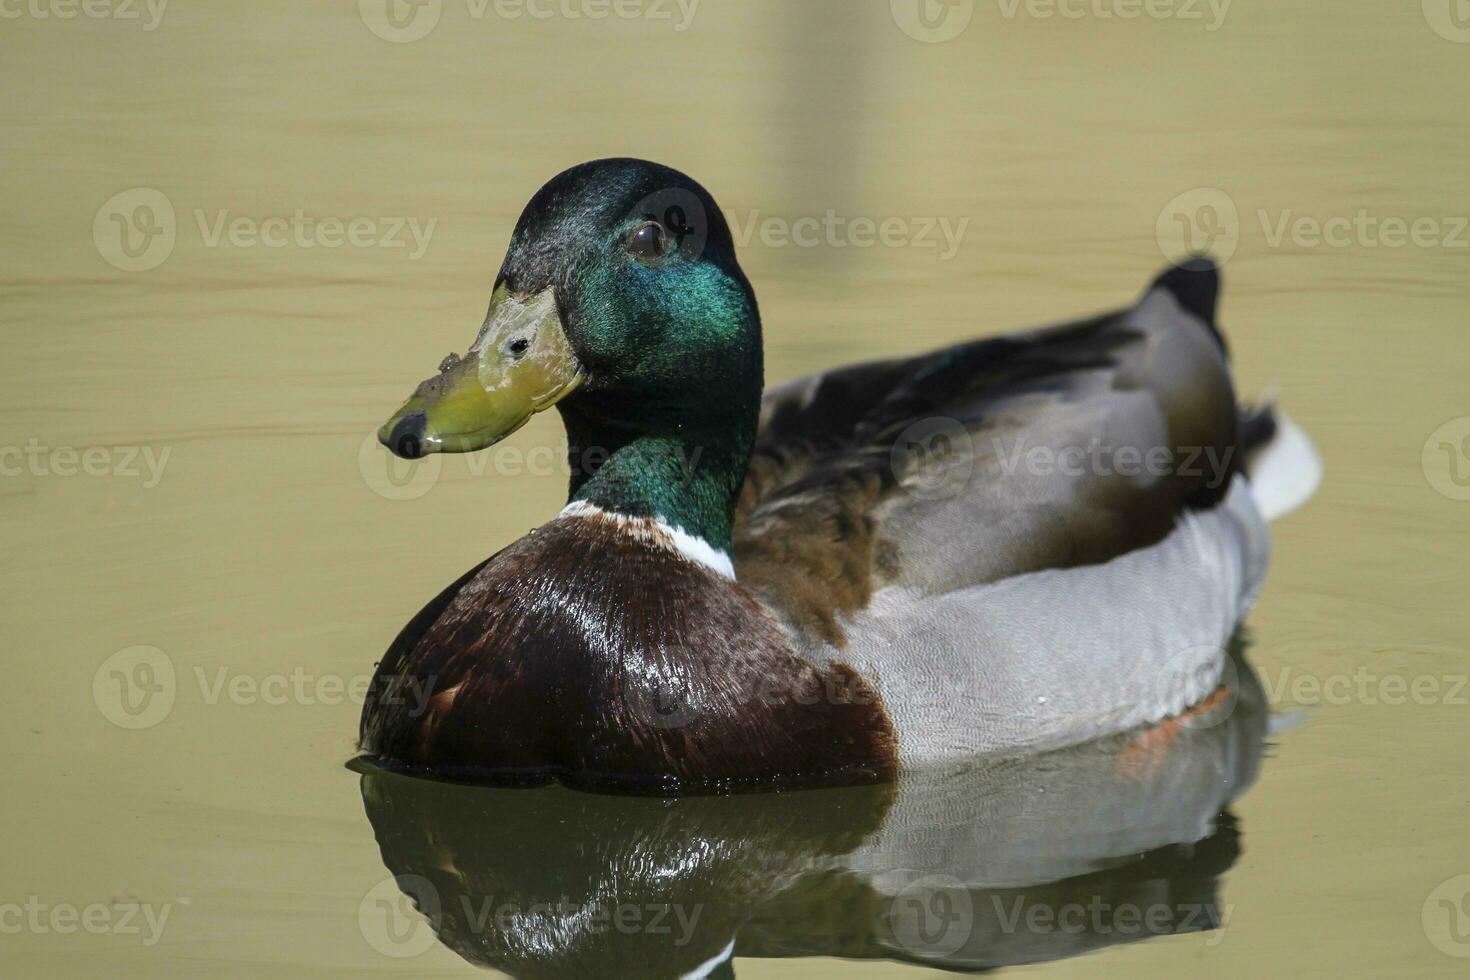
x=236 y=234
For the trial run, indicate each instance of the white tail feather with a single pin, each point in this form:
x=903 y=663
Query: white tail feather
x=1286 y=472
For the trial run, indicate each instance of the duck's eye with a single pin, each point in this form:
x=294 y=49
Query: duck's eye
x=518 y=346
x=647 y=241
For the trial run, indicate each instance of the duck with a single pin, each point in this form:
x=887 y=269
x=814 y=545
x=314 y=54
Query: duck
x=1012 y=544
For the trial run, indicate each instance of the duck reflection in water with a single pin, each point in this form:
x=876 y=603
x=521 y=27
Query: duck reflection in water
x=1015 y=860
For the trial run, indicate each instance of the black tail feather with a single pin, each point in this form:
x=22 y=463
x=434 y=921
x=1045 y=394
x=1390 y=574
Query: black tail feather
x=1257 y=426
x=1195 y=283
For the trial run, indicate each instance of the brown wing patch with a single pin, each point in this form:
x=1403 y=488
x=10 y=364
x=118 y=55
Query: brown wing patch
x=815 y=556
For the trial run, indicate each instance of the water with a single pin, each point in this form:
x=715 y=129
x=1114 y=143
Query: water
x=231 y=525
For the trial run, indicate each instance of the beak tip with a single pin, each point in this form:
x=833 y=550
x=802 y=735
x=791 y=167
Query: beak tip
x=406 y=436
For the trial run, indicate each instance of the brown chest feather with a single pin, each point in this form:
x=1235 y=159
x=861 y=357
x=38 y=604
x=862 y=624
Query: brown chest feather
x=601 y=656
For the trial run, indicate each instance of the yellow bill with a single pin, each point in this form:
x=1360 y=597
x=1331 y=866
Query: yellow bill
x=520 y=364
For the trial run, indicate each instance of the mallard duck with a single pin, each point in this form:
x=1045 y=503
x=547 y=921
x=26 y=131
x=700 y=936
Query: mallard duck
x=1015 y=543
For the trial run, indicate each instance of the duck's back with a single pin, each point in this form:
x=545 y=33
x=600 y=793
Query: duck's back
x=1024 y=541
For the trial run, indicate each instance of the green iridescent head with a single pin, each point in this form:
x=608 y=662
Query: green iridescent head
x=621 y=302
